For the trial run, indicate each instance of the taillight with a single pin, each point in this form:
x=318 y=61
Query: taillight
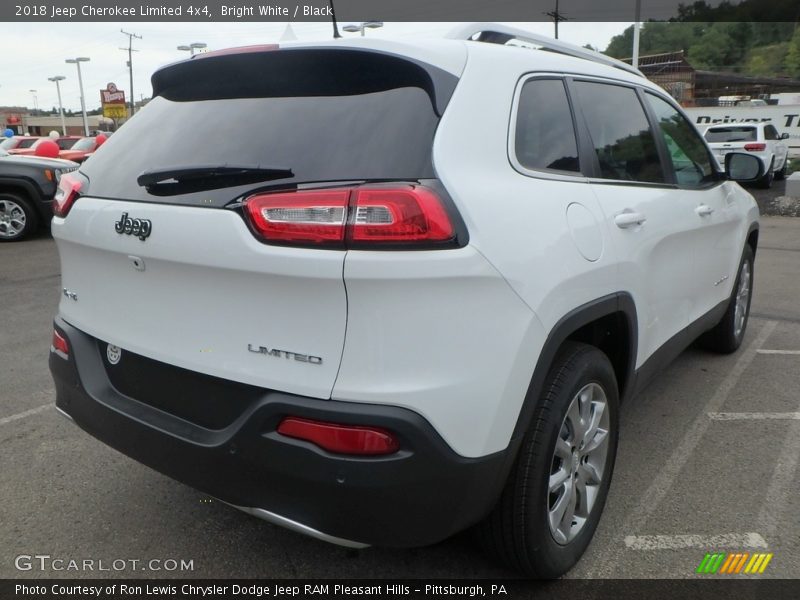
x=59 y=344
x=399 y=215
x=755 y=147
x=339 y=438
x=407 y=214
x=315 y=217
x=68 y=188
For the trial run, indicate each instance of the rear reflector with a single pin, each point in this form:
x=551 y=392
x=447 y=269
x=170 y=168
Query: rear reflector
x=59 y=343
x=66 y=194
x=341 y=439
x=364 y=216
x=755 y=147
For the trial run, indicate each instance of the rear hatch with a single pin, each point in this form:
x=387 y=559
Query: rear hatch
x=158 y=256
x=732 y=138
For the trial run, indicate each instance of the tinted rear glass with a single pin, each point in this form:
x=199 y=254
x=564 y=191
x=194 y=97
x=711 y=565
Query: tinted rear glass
x=337 y=119
x=624 y=144
x=545 y=136
x=731 y=134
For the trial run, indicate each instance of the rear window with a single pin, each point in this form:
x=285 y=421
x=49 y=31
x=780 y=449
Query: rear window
x=28 y=143
x=731 y=134
x=327 y=115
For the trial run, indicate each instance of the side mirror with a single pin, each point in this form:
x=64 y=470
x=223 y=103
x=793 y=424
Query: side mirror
x=784 y=136
x=743 y=167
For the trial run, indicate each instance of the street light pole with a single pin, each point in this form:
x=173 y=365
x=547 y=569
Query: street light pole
x=58 y=78
x=77 y=62
x=35 y=100
x=192 y=47
x=362 y=27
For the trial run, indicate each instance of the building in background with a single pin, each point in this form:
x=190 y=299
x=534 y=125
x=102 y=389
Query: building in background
x=696 y=87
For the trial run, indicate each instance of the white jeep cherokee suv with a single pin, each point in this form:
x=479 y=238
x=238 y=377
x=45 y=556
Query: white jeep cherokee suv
x=407 y=289
x=760 y=139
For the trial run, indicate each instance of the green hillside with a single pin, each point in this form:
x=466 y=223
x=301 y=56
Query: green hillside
x=719 y=44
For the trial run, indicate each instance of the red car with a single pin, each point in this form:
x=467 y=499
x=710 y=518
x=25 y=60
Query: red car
x=64 y=143
x=14 y=144
x=78 y=152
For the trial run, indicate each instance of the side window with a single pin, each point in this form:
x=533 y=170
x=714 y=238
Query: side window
x=687 y=151
x=621 y=135
x=545 y=136
x=770 y=133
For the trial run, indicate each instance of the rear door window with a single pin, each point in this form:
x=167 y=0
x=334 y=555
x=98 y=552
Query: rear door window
x=623 y=141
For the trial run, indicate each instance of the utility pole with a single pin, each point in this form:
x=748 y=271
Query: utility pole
x=130 y=60
x=557 y=17
x=637 y=26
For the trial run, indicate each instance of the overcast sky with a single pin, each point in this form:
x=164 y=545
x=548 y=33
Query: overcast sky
x=32 y=52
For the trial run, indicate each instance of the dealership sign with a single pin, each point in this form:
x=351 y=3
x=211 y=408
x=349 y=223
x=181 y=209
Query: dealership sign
x=113 y=101
x=785 y=118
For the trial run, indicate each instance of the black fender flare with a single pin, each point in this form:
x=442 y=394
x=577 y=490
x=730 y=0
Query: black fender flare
x=618 y=302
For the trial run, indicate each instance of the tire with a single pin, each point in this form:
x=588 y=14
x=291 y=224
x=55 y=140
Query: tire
x=519 y=532
x=17 y=217
x=766 y=181
x=781 y=175
x=727 y=335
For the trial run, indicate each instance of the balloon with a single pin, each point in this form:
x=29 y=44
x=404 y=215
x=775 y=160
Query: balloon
x=99 y=141
x=8 y=133
x=54 y=135
x=47 y=149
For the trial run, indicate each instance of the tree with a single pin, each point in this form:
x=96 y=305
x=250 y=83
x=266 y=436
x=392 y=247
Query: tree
x=792 y=60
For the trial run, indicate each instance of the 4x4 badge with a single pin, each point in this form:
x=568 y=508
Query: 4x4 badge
x=141 y=228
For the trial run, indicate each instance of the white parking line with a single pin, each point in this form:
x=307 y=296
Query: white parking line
x=675 y=542
x=790 y=352
x=26 y=413
x=754 y=416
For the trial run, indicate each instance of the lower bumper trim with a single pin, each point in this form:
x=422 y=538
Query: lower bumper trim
x=281 y=521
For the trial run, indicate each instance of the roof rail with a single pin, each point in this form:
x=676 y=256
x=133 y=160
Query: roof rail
x=496 y=33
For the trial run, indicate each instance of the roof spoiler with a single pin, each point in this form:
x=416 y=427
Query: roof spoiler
x=496 y=33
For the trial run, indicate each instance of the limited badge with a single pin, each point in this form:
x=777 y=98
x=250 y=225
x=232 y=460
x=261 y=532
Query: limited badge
x=114 y=353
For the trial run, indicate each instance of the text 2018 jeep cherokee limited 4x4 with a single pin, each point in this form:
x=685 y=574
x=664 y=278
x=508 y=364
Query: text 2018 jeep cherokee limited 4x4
x=409 y=292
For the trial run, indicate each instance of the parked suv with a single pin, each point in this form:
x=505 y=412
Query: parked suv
x=761 y=139
x=27 y=187
x=407 y=294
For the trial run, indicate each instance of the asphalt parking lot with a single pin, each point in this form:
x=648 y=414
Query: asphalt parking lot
x=708 y=461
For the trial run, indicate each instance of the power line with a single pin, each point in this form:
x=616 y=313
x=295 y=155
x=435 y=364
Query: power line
x=557 y=17
x=130 y=60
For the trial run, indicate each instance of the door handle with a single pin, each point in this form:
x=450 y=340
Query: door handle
x=628 y=218
x=704 y=210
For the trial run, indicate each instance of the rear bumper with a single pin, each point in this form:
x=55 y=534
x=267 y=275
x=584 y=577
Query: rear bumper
x=420 y=495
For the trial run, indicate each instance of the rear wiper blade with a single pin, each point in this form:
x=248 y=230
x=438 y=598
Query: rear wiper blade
x=196 y=173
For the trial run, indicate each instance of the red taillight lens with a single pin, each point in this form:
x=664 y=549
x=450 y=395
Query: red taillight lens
x=755 y=147
x=67 y=193
x=401 y=214
x=341 y=439
x=59 y=343
x=364 y=216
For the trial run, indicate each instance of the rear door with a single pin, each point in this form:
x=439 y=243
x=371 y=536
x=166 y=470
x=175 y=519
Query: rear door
x=652 y=226
x=776 y=146
x=171 y=269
